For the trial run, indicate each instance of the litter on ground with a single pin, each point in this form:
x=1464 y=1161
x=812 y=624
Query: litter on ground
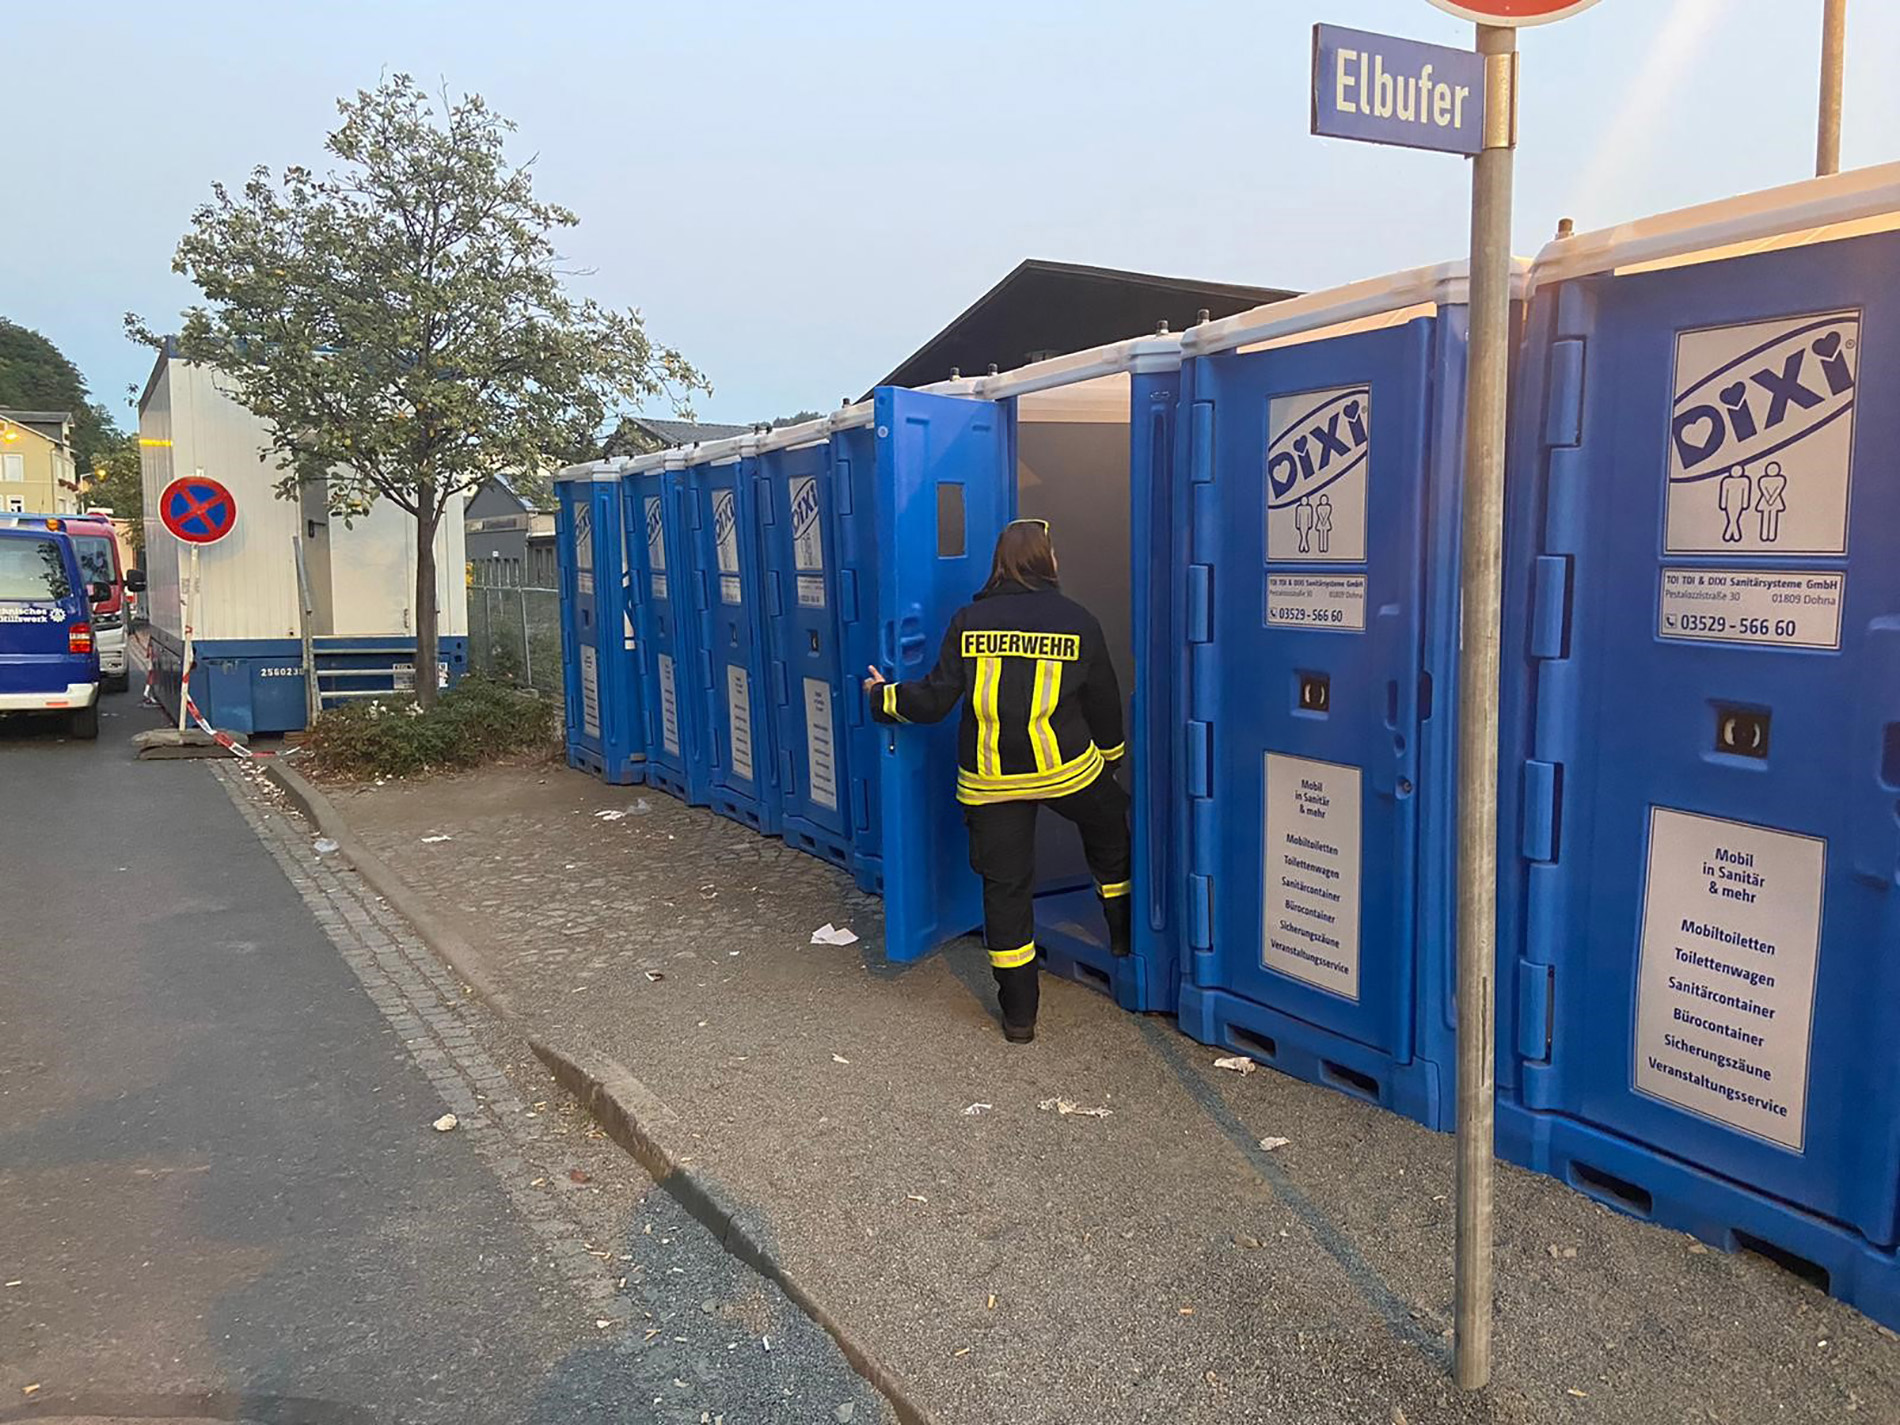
x=1239 y=1063
x=446 y=1122
x=1065 y=1107
x=976 y=1110
x=829 y=934
x=1270 y=1144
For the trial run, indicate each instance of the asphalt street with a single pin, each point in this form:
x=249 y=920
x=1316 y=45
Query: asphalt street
x=221 y=1196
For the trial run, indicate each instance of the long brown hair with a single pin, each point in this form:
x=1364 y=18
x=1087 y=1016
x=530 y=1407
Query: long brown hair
x=1025 y=555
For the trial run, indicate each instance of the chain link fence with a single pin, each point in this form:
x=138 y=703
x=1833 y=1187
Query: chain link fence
x=514 y=632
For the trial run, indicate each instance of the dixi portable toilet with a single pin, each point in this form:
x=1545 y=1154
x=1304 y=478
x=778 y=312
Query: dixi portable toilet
x=605 y=724
x=730 y=680
x=1699 y=921
x=808 y=595
x=665 y=624
x=915 y=486
x=1315 y=547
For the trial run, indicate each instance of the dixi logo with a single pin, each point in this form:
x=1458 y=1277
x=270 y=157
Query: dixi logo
x=1319 y=447
x=653 y=526
x=1766 y=399
x=723 y=517
x=804 y=505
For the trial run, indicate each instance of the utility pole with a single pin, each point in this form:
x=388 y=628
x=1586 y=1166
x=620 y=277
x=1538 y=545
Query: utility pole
x=1482 y=595
x=1827 y=152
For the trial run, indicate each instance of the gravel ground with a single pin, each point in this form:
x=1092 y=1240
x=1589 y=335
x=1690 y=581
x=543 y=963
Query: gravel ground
x=1016 y=1263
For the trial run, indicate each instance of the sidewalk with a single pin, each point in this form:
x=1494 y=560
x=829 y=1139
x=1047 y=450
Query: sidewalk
x=1015 y=1263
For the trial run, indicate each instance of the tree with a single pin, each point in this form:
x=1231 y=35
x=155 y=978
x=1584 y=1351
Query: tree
x=36 y=376
x=401 y=325
x=796 y=418
x=117 y=483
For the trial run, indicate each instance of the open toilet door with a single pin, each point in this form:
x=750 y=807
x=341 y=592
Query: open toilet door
x=944 y=495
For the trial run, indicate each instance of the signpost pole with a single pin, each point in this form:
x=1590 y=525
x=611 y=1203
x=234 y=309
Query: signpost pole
x=189 y=599
x=1827 y=153
x=1481 y=592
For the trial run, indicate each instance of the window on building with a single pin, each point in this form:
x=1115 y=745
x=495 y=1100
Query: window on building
x=16 y=504
x=13 y=467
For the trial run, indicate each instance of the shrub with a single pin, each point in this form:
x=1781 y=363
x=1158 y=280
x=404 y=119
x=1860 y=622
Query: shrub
x=477 y=721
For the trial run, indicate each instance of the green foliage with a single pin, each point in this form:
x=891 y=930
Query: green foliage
x=796 y=418
x=475 y=722
x=401 y=324
x=117 y=484
x=36 y=376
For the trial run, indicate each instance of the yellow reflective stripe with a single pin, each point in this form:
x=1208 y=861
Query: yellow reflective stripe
x=1042 y=737
x=1010 y=959
x=1113 y=754
x=974 y=789
x=890 y=701
x=989 y=727
x=1120 y=888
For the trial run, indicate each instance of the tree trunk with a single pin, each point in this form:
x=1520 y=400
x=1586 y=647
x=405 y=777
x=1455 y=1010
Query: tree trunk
x=426 y=638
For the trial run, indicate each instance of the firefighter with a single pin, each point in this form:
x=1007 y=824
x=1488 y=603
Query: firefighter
x=1041 y=727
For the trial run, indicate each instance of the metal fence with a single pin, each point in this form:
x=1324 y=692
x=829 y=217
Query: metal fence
x=514 y=633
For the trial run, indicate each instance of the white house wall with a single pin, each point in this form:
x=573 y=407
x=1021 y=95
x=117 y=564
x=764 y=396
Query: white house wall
x=250 y=577
x=373 y=573
x=155 y=473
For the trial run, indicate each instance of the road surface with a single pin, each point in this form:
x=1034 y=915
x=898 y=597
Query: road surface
x=221 y=1196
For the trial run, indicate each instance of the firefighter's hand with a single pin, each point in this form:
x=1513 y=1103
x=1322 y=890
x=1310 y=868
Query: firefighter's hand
x=874 y=682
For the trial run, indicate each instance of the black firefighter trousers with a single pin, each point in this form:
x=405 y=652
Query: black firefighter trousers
x=1003 y=853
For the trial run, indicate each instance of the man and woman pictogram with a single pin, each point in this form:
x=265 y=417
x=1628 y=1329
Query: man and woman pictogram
x=1314 y=521
x=1737 y=493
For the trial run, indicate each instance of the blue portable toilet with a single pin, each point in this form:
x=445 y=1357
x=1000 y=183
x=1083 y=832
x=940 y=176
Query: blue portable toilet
x=1091 y=450
x=1699 y=991
x=1316 y=549
x=813 y=690
x=605 y=726
x=731 y=680
x=665 y=626
x=922 y=482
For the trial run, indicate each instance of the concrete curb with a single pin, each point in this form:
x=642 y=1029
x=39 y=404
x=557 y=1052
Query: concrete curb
x=619 y=1102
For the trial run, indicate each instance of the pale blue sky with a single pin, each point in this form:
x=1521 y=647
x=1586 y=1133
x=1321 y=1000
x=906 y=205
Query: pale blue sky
x=799 y=194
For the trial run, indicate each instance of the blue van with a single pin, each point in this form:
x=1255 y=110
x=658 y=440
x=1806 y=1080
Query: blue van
x=48 y=661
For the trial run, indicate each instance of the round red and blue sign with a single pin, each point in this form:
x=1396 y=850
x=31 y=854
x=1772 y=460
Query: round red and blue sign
x=1513 y=12
x=197 y=509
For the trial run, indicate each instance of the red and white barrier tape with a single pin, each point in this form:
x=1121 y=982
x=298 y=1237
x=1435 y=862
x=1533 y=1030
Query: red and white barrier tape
x=223 y=739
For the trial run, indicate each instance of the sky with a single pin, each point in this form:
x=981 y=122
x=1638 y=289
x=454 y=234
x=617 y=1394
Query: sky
x=798 y=195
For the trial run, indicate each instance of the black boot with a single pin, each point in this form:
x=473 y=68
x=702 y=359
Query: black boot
x=1119 y=916
x=1018 y=995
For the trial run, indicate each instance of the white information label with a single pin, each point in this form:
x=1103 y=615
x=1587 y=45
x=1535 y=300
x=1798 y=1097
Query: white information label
x=821 y=757
x=1771 y=606
x=1319 y=447
x=1761 y=436
x=584 y=580
x=739 y=720
x=1725 y=990
x=1317 y=601
x=590 y=691
x=669 y=707
x=656 y=534
x=811 y=591
x=583 y=536
x=659 y=586
x=808 y=535
x=1311 y=921
x=726 y=545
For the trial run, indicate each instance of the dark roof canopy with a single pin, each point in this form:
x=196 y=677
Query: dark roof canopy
x=670 y=433
x=1051 y=308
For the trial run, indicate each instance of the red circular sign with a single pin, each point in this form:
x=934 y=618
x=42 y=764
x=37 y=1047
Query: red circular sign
x=1513 y=12
x=197 y=509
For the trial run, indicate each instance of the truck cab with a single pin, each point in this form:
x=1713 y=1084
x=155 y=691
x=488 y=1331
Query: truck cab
x=49 y=660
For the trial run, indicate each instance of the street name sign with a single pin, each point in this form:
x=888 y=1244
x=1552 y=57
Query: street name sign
x=1382 y=89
